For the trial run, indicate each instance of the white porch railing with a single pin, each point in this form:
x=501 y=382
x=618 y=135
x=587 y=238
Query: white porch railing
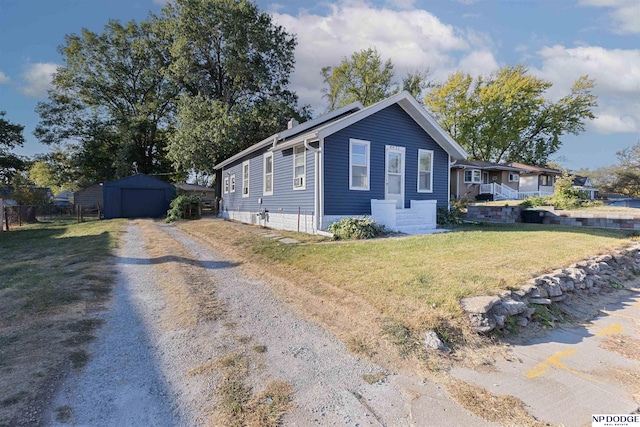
x=499 y=190
x=505 y=192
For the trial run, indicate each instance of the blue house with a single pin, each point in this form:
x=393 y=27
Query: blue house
x=389 y=161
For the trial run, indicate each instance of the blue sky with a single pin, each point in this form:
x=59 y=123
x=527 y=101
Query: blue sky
x=558 y=40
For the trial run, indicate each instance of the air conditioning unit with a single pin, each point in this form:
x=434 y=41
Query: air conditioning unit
x=298 y=182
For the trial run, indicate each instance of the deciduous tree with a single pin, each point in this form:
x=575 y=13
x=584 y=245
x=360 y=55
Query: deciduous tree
x=505 y=116
x=10 y=138
x=111 y=101
x=234 y=65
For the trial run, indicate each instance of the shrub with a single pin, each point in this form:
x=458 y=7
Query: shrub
x=182 y=206
x=356 y=228
x=445 y=216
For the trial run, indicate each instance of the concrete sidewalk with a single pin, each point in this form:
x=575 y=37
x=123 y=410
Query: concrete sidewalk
x=567 y=376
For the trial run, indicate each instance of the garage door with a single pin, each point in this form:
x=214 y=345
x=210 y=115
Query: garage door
x=143 y=203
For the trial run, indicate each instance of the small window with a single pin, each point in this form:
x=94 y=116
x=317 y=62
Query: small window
x=514 y=177
x=233 y=183
x=226 y=185
x=267 y=189
x=358 y=164
x=546 y=180
x=472 y=176
x=299 y=168
x=245 y=179
x=425 y=171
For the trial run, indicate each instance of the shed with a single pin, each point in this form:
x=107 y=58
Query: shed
x=90 y=197
x=137 y=196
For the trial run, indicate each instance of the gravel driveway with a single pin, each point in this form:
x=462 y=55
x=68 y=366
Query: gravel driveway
x=148 y=367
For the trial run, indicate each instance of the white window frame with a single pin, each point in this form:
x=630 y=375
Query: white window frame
x=232 y=183
x=296 y=151
x=430 y=153
x=246 y=178
x=226 y=185
x=266 y=192
x=367 y=145
x=474 y=173
x=514 y=177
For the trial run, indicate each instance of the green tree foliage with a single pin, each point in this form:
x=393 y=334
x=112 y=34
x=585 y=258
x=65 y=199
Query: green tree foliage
x=56 y=171
x=234 y=64
x=364 y=77
x=10 y=138
x=505 y=116
x=622 y=178
x=111 y=101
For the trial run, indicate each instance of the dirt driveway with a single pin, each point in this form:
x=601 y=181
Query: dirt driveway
x=189 y=340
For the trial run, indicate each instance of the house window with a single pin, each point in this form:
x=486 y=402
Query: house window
x=546 y=180
x=245 y=179
x=358 y=164
x=425 y=171
x=226 y=185
x=267 y=189
x=233 y=183
x=299 y=167
x=514 y=177
x=472 y=176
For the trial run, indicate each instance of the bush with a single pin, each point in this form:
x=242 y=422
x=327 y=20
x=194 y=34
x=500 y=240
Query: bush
x=356 y=228
x=445 y=216
x=182 y=206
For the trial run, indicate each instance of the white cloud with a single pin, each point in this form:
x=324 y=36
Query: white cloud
x=412 y=39
x=38 y=78
x=4 y=78
x=617 y=76
x=625 y=15
x=616 y=71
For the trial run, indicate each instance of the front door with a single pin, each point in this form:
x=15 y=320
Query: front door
x=394 y=176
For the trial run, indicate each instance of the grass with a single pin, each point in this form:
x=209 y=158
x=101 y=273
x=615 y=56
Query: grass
x=52 y=276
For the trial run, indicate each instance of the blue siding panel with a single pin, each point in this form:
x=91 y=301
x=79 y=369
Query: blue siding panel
x=285 y=199
x=391 y=126
x=137 y=196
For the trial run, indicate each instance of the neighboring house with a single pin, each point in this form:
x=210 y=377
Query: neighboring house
x=63 y=198
x=137 y=196
x=536 y=181
x=583 y=183
x=91 y=197
x=390 y=160
x=207 y=195
x=478 y=179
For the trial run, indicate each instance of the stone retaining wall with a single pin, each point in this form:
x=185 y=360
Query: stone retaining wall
x=595 y=219
x=591 y=276
x=506 y=214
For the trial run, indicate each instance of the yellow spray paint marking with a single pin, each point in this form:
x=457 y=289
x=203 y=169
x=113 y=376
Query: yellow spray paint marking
x=554 y=360
x=615 y=328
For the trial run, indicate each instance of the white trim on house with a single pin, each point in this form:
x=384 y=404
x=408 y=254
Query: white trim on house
x=267 y=177
x=430 y=153
x=299 y=180
x=514 y=177
x=226 y=185
x=232 y=183
x=367 y=163
x=246 y=178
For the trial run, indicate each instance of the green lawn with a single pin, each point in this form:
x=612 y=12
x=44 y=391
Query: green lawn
x=402 y=275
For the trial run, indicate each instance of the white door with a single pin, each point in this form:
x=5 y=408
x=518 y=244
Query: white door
x=394 y=176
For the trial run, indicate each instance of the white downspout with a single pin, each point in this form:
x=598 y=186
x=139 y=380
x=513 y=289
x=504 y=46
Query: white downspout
x=316 y=186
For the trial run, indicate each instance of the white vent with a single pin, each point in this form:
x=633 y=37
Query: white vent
x=297 y=182
x=292 y=123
